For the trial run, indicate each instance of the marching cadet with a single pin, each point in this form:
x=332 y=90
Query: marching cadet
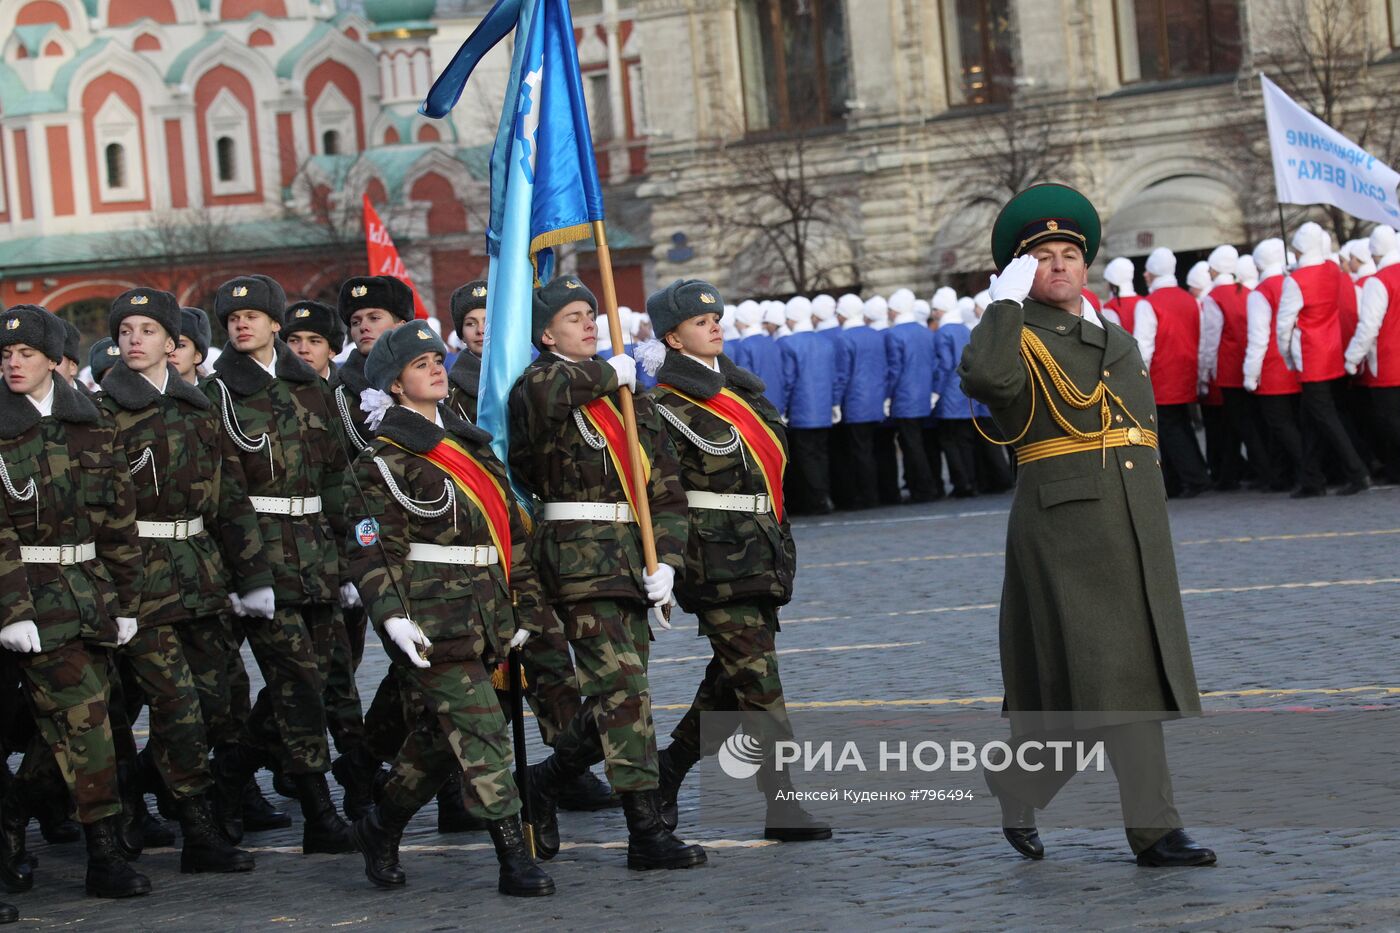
x=1373 y=355
x=909 y=388
x=315 y=333
x=740 y=559
x=192 y=347
x=280 y=417
x=1090 y=573
x=101 y=356
x=72 y=339
x=760 y=350
x=163 y=424
x=70 y=576
x=1275 y=387
x=469 y=323
x=1310 y=339
x=862 y=407
x=813 y=386
x=568 y=447
x=441 y=560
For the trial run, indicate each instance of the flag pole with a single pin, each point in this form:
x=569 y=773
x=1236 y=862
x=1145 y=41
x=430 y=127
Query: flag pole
x=629 y=414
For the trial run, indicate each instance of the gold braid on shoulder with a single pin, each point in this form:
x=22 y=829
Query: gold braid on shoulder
x=1040 y=367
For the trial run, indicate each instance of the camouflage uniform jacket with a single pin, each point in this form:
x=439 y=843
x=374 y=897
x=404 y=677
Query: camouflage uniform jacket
x=348 y=380
x=64 y=481
x=729 y=555
x=285 y=433
x=173 y=442
x=551 y=458
x=464 y=380
x=465 y=611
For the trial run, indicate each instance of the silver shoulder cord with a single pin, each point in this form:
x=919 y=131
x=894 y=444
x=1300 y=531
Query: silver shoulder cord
x=714 y=450
x=235 y=431
x=350 y=430
x=417 y=506
x=596 y=441
x=19 y=495
x=148 y=456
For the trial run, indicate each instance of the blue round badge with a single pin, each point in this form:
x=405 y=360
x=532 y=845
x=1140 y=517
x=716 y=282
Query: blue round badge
x=367 y=532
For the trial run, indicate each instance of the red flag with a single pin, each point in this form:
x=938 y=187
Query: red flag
x=384 y=256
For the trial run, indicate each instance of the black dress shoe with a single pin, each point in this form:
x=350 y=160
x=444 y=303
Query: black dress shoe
x=1175 y=850
x=9 y=913
x=1026 y=840
x=1352 y=488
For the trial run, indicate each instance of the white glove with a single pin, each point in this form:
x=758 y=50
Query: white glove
x=21 y=636
x=259 y=603
x=1015 y=281
x=237 y=605
x=519 y=639
x=658 y=615
x=409 y=638
x=126 y=630
x=887 y=408
x=1251 y=385
x=626 y=369
x=1351 y=369
x=933 y=400
x=349 y=596
x=835 y=414
x=659 y=584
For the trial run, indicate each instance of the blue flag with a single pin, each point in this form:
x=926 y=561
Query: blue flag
x=544 y=180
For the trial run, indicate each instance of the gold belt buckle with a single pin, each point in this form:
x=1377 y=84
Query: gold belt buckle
x=1134 y=436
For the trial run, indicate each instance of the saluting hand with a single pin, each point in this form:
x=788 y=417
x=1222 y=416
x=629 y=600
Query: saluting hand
x=1015 y=281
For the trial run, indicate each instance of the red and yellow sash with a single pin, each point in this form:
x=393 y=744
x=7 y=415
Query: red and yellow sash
x=607 y=421
x=762 y=443
x=478 y=484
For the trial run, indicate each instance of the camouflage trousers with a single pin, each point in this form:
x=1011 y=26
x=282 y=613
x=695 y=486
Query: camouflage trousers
x=68 y=693
x=209 y=649
x=742 y=675
x=458 y=724
x=611 y=642
x=344 y=715
x=156 y=658
x=288 y=721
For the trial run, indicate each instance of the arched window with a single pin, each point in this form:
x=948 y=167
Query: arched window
x=1163 y=40
x=115 y=156
x=794 y=62
x=330 y=142
x=226 y=158
x=977 y=36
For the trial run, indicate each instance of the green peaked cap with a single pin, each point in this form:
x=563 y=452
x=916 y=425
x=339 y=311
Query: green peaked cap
x=1042 y=213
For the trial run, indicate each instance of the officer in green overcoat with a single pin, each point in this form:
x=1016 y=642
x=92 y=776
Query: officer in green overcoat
x=1093 y=638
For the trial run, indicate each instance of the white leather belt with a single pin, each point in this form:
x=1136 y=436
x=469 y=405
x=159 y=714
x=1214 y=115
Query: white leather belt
x=482 y=555
x=294 y=506
x=171 y=531
x=65 y=555
x=587 y=512
x=755 y=505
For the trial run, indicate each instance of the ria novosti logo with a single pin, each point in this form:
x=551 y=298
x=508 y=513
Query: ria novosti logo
x=740 y=756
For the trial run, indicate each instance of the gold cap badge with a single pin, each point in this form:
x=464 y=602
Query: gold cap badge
x=240 y=291
x=423 y=334
x=113 y=351
x=12 y=324
x=572 y=283
x=707 y=298
x=140 y=299
x=1052 y=225
x=359 y=291
x=479 y=291
x=302 y=312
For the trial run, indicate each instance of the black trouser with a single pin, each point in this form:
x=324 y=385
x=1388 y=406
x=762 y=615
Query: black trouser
x=1138 y=755
x=1280 y=415
x=1385 y=418
x=933 y=453
x=958 y=439
x=1323 y=434
x=1243 y=413
x=918 y=476
x=805 y=487
x=857 y=485
x=1182 y=465
x=886 y=465
x=995 y=471
x=1223 y=459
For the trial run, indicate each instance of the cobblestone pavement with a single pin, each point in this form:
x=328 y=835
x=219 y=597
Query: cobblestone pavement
x=1288 y=603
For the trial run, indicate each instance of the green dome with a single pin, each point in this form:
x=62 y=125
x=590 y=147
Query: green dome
x=399 y=11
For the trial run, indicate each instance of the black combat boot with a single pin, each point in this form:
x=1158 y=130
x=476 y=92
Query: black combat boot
x=452 y=814
x=108 y=873
x=324 y=831
x=545 y=780
x=282 y=783
x=587 y=793
x=16 y=868
x=786 y=821
x=57 y=827
x=152 y=783
x=354 y=771
x=233 y=768
x=673 y=763
x=205 y=848
x=520 y=876
x=377 y=836
x=9 y=913
x=649 y=845
x=258 y=812
x=131 y=828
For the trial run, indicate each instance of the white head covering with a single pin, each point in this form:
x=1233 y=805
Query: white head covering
x=1224 y=259
x=749 y=314
x=824 y=307
x=983 y=300
x=1311 y=242
x=877 y=312
x=966 y=306
x=1161 y=261
x=1246 y=271
x=1199 y=276
x=799 y=314
x=1382 y=241
x=1269 y=257
x=945 y=299
x=922 y=311
x=774 y=312
x=902 y=301
x=1119 y=273
x=953 y=315
x=850 y=306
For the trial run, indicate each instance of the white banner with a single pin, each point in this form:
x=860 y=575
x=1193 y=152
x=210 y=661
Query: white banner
x=1314 y=164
